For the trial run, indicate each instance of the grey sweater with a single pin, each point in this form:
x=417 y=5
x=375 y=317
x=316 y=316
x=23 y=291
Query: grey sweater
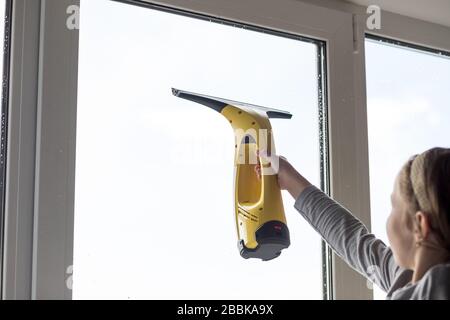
x=350 y=239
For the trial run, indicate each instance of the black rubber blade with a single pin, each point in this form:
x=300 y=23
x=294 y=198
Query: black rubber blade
x=218 y=104
x=211 y=103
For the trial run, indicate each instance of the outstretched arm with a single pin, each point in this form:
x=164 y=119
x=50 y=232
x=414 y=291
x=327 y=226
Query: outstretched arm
x=345 y=234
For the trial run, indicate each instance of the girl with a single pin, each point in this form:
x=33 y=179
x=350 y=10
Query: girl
x=417 y=263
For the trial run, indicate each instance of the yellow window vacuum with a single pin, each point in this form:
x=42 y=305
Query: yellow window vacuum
x=260 y=220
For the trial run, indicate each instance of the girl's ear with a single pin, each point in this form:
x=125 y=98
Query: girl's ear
x=423 y=226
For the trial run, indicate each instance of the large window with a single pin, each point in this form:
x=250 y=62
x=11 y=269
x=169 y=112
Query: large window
x=408 y=113
x=148 y=177
x=154 y=173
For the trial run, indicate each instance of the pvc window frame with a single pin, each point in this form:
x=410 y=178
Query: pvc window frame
x=38 y=215
x=39 y=196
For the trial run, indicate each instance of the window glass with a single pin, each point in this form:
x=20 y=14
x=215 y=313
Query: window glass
x=408 y=113
x=154 y=173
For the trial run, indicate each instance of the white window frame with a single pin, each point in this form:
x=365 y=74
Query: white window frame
x=38 y=236
x=38 y=247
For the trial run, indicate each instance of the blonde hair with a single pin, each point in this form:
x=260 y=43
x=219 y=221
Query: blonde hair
x=424 y=183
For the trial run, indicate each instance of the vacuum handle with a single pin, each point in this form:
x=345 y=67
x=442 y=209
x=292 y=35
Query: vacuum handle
x=271 y=166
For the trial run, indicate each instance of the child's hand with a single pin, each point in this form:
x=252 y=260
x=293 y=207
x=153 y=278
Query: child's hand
x=288 y=178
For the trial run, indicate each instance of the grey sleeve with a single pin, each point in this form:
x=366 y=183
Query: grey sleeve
x=348 y=237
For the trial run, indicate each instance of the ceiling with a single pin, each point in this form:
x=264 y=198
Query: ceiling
x=436 y=11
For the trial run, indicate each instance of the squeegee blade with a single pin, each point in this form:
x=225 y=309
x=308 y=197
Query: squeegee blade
x=218 y=104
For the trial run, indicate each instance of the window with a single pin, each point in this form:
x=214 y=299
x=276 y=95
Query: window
x=408 y=113
x=154 y=173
